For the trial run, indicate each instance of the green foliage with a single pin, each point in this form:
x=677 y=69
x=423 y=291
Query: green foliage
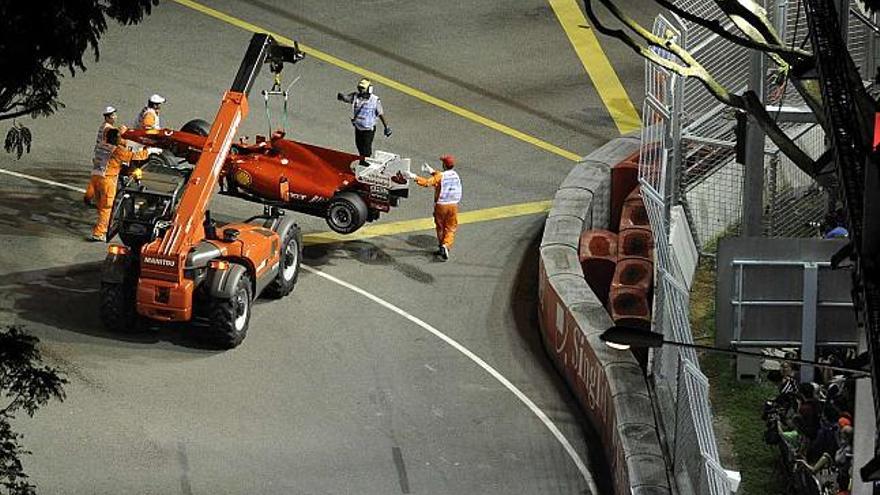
x=739 y=403
x=25 y=385
x=39 y=40
x=18 y=139
x=736 y=403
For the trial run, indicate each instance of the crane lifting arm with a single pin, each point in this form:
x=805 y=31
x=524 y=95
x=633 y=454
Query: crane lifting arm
x=186 y=227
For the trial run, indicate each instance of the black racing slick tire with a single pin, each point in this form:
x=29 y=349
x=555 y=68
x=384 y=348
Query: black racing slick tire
x=197 y=126
x=118 y=313
x=166 y=159
x=346 y=213
x=229 y=318
x=289 y=265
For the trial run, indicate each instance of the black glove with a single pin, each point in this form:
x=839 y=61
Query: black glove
x=340 y=96
x=387 y=131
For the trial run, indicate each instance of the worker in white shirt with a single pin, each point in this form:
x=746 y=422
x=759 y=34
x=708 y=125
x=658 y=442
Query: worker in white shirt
x=366 y=108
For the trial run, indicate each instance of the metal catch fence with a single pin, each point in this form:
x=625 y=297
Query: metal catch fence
x=710 y=179
x=682 y=390
x=688 y=157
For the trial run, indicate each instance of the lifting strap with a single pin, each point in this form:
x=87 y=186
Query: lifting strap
x=277 y=91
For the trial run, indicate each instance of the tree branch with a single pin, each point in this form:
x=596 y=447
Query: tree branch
x=11 y=406
x=19 y=113
x=790 y=56
x=750 y=18
x=690 y=68
x=749 y=102
x=752 y=104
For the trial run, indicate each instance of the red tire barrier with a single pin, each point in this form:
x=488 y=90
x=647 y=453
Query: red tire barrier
x=630 y=306
x=634 y=272
x=597 y=253
x=634 y=213
x=636 y=242
x=624 y=177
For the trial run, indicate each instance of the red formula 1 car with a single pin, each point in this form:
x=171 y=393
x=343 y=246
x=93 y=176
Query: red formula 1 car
x=293 y=175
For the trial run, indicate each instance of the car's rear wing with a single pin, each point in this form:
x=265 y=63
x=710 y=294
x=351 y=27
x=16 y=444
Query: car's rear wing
x=384 y=169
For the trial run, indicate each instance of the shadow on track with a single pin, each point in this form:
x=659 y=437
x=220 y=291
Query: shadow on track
x=68 y=299
x=42 y=210
x=318 y=255
x=525 y=313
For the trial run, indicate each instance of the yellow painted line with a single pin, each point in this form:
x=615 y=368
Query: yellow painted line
x=391 y=83
x=586 y=45
x=419 y=224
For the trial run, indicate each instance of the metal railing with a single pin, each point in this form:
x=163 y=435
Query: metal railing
x=682 y=391
x=688 y=156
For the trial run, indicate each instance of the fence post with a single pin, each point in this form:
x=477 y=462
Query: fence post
x=753 y=173
x=808 y=319
x=673 y=168
x=773 y=191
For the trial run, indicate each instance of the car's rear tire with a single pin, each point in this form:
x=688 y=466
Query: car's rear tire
x=197 y=126
x=229 y=318
x=289 y=264
x=346 y=213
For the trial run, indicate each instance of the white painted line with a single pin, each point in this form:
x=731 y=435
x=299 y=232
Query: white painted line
x=44 y=181
x=542 y=416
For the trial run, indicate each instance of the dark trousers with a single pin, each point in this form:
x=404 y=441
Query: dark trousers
x=364 y=141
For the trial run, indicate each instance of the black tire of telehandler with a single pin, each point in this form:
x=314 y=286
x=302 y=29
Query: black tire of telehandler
x=288 y=271
x=346 y=213
x=225 y=329
x=117 y=309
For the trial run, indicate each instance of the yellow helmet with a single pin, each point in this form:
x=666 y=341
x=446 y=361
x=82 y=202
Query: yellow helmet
x=137 y=174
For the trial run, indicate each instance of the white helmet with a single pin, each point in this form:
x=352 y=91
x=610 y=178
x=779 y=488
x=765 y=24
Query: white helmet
x=109 y=109
x=157 y=99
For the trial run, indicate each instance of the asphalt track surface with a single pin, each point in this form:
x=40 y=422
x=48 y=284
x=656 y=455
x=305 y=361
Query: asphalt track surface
x=332 y=392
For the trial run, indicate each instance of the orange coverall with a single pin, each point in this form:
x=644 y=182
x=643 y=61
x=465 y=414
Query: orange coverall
x=148 y=119
x=105 y=185
x=445 y=216
x=102 y=137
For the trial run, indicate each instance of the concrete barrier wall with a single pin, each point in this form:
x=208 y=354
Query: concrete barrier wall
x=610 y=386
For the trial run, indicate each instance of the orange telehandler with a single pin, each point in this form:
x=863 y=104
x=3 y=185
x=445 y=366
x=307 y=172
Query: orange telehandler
x=178 y=265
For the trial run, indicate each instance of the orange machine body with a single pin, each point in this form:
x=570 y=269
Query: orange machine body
x=176 y=264
x=164 y=292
